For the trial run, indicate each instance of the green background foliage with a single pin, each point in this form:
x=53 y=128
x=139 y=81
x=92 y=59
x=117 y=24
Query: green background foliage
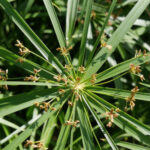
x=82 y=26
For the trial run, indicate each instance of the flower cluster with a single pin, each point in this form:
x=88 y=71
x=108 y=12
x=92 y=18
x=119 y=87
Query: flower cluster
x=111 y=115
x=93 y=15
x=4 y=77
x=34 y=77
x=36 y=144
x=137 y=71
x=104 y=44
x=64 y=51
x=72 y=123
x=60 y=78
x=80 y=20
x=93 y=78
x=44 y=106
x=67 y=67
x=81 y=69
x=139 y=53
x=23 y=51
x=73 y=83
x=131 y=98
x=70 y=103
x=61 y=91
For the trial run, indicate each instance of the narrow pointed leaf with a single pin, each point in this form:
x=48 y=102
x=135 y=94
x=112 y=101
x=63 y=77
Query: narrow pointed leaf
x=121 y=123
x=101 y=126
x=102 y=31
x=85 y=31
x=49 y=130
x=73 y=128
x=27 y=64
x=132 y=146
x=18 y=102
x=116 y=38
x=23 y=136
x=118 y=93
x=64 y=132
x=140 y=126
x=146 y=84
x=122 y=67
x=86 y=133
x=71 y=17
x=16 y=83
x=8 y=123
x=52 y=14
x=24 y=27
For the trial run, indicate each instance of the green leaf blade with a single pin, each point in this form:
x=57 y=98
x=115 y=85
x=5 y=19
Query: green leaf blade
x=71 y=18
x=101 y=126
x=122 y=67
x=115 y=39
x=122 y=123
x=58 y=30
x=23 y=26
x=139 y=125
x=85 y=31
x=18 y=102
x=118 y=93
x=102 y=31
x=86 y=133
x=26 y=65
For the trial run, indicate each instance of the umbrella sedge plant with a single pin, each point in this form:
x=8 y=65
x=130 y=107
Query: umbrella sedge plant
x=78 y=89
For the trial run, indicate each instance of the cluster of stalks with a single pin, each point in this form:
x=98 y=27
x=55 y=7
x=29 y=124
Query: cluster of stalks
x=72 y=80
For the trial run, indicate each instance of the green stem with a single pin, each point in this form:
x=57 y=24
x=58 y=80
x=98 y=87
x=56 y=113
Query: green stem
x=112 y=79
x=101 y=33
x=87 y=115
x=43 y=60
x=73 y=128
x=72 y=68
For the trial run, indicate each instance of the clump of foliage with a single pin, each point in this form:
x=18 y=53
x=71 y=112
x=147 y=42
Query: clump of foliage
x=71 y=93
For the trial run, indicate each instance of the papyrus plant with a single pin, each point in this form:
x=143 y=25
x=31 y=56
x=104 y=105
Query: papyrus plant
x=74 y=88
